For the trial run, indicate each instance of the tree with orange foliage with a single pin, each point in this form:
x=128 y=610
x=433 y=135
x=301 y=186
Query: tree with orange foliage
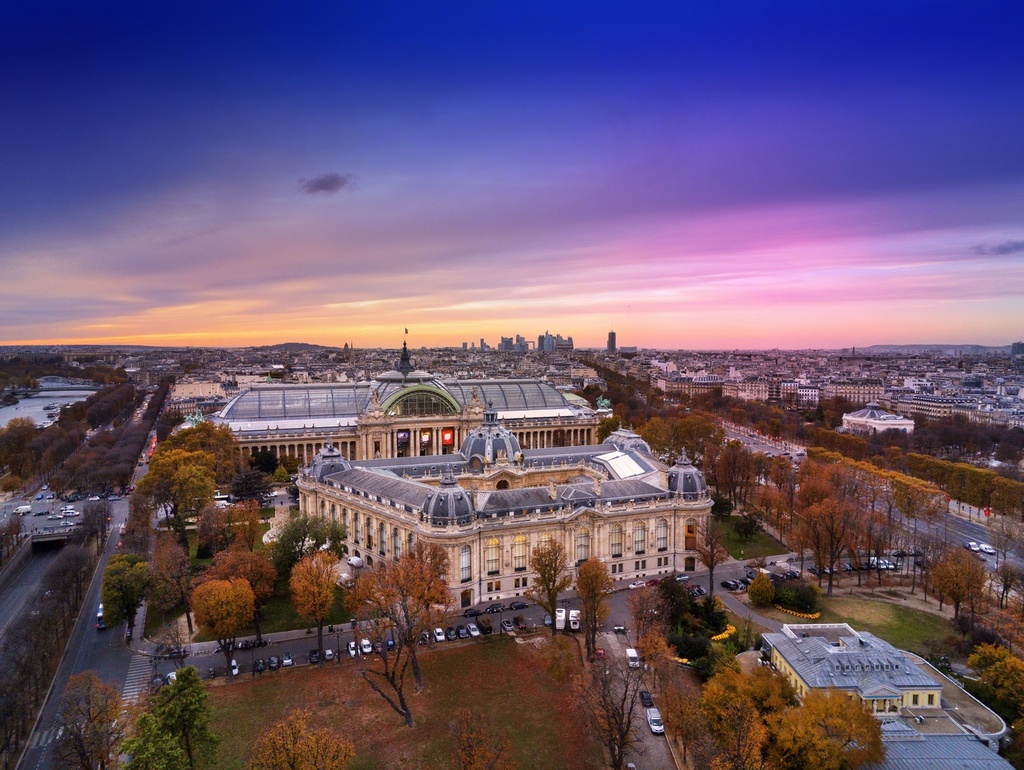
x=405 y=597
x=244 y=521
x=960 y=576
x=644 y=605
x=828 y=731
x=312 y=584
x=656 y=654
x=550 y=562
x=593 y=584
x=90 y=728
x=171 y=576
x=292 y=744
x=223 y=608
x=679 y=705
x=254 y=567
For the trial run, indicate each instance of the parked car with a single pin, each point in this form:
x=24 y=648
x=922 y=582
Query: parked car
x=986 y=548
x=462 y=632
x=547 y=621
x=438 y=634
x=731 y=585
x=683 y=578
x=450 y=635
x=328 y=653
x=646 y=700
x=485 y=626
x=287 y=661
x=314 y=657
x=424 y=638
x=518 y=605
x=234 y=667
x=497 y=607
x=365 y=647
x=638 y=584
x=654 y=721
x=473 y=629
x=352 y=649
x=507 y=626
x=274 y=663
x=472 y=612
x=260 y=665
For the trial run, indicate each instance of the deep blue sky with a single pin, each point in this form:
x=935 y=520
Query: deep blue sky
x=691 y=174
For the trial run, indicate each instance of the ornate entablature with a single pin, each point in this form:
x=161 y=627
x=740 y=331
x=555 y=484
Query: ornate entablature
x=492 y=502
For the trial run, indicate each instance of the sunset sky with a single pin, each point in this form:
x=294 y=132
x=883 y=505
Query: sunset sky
x=690 y=174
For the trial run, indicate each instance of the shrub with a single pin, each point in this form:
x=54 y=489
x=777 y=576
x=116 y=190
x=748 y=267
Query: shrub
x=803 y=597
x=761 y=591
x=690 y=647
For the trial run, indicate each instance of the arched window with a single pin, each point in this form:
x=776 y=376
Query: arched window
x=640 y=537
x=519 y=553
x=545 y=538
x=691 y=535
x=466 y=563
x=492 y=556
x=323 y=509
x=396 y=541
x=410 y=540
x=661 y=533
x=583 y=544
x=369 y=532
x=344 y=520
x=615 y=540
x=355 y=520
x=334 y=513
x=382 y=535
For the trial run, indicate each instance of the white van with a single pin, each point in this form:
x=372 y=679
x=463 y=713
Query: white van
x=632 y=658
x=560 y=619
x=574 y=620
x=23 y=510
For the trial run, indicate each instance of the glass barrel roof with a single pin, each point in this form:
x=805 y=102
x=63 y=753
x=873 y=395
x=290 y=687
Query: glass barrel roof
x=297 y=402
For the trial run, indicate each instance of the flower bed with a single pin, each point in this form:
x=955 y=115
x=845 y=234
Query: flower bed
x=729 y=631
x=804 y=615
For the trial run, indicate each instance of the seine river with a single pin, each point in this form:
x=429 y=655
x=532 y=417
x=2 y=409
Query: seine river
x=34 y=407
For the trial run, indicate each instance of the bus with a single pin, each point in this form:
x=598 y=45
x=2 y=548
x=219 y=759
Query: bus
x=100 y=625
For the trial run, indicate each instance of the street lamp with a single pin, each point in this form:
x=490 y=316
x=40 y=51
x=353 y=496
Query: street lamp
x=337 y=645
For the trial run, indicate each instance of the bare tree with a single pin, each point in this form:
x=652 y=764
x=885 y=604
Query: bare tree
x=608 y=694
x=711 y=550
x=90 y=725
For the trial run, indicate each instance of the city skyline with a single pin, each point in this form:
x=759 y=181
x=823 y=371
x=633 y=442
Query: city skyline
x=764 y=175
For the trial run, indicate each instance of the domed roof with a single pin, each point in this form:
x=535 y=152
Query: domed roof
x=327 y=461
x=686 y=480
x=627 y=441
x=485 y=442
x=449 y=503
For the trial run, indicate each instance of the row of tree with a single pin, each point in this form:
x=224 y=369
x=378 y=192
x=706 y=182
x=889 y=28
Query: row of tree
x=33 y=641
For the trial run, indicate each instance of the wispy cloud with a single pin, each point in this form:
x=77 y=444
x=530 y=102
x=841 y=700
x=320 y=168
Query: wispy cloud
x=325 y=183
x=1003 y=249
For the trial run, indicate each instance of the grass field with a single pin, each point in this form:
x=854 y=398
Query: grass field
x=509 y=684
x=903 y=627
x=760 y=546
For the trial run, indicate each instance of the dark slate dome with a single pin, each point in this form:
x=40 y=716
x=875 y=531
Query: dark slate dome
x=484 y=443
x=327 y=461
x=686 y=480
x=449 y=503
x=627 y=441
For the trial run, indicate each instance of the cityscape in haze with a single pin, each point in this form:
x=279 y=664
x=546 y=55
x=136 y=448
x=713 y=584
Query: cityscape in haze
x=791 y=175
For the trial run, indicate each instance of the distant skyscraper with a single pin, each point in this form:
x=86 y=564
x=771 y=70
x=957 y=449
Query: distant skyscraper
x=611 y=342
x=1017 y=349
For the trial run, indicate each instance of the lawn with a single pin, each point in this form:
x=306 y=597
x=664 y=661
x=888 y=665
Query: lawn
x=903 y=627
x=762 y=544
x=507 y=683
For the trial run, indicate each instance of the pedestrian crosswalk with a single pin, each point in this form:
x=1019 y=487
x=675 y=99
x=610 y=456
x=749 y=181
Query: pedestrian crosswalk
x=136 y=681
x=42 y=738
